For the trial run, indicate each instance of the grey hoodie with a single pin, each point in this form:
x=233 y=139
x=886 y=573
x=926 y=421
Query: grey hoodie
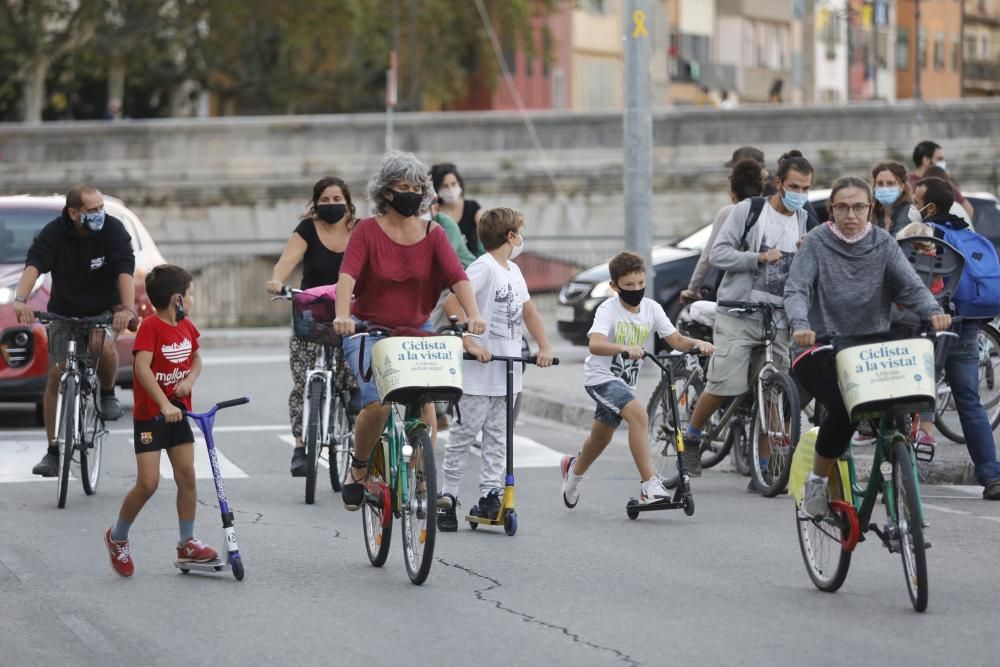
x=835 y=288
x=741 y=266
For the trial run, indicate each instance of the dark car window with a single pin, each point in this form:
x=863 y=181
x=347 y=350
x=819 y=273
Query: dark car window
x=986 y=219
x=18 y=228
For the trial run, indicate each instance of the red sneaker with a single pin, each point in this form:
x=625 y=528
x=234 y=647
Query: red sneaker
x=193 y=551
x=121 y=555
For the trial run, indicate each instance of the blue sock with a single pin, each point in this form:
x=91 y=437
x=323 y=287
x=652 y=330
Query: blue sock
x=187 y=529
x=762 y=464
x=119 y=532
x=691 y=430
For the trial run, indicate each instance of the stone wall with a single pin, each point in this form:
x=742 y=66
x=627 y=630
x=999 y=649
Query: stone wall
x=248 y=178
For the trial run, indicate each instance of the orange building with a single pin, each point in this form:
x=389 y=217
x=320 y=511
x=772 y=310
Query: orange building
x=937 y=50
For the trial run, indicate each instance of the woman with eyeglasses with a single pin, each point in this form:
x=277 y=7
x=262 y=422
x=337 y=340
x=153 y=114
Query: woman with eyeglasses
x=843 y=282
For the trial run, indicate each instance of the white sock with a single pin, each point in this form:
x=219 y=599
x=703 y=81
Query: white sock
x=813 y=476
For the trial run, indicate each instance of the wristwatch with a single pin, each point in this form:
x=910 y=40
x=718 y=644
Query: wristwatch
x=21 y=299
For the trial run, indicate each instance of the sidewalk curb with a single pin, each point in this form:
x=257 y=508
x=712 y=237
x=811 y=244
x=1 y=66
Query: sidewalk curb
x=939 y=471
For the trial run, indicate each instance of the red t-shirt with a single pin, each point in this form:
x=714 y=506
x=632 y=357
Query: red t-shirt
x=398 y=285
x=173 y=349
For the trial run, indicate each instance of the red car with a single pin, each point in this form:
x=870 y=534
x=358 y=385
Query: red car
x=24 y=350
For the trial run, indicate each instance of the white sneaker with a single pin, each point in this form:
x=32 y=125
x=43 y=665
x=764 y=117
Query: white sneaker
x=571 y=483
x=652 y=490
x=815 y=499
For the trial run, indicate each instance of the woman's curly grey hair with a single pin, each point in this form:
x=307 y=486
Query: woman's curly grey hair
x=399 y=166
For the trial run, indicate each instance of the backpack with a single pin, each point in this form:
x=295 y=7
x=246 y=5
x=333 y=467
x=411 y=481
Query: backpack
x=756 y=206
x=978 y=291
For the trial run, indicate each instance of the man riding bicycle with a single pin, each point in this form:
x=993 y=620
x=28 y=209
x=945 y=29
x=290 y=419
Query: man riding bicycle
x=755 y=248
x=92 y=263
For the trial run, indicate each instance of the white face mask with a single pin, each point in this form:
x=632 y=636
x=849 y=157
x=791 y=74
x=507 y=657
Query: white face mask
x=517 y=249
x=451 y=195
x=942 y=164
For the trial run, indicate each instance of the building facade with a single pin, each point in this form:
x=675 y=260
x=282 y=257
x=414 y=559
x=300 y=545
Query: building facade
x=981 y=48
x=934 y=52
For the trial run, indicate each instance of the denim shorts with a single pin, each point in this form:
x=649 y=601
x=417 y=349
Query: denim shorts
x=352 y=348
x=611 y=398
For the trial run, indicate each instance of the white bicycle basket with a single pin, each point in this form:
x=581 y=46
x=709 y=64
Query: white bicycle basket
x=408 y=368
x=893 y=377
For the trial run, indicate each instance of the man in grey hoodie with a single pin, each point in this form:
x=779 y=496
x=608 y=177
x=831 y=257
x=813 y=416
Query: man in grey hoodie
x=756 y=261
x=843 y=282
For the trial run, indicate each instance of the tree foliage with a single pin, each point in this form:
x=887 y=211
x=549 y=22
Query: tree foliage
x=254 y=56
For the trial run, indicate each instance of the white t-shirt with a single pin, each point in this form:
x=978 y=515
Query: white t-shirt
x=624 y=328
x=781 y=232
x=500 y=295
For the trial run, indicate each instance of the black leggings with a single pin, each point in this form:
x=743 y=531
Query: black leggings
x=818 y=375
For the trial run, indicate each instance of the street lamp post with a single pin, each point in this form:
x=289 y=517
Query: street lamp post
x=917 y=93
x=638 y=123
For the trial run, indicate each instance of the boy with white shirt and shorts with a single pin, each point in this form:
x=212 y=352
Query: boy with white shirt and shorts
x=622 y=324
x=503 y=300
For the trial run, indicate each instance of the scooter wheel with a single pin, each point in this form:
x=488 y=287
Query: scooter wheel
x=237 y=564
x=474 y=511
x=688 y=505
x=510 y=523
x=185 y=571
x=632 y=514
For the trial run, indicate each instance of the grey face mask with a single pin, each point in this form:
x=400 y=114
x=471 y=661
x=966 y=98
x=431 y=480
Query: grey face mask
x=93 y=221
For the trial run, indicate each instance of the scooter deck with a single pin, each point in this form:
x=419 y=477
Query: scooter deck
x=210 y=567
x=634 y=505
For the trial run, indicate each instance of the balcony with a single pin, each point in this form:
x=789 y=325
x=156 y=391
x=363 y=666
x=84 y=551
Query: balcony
x=714 y=77
x=776 y=11
x=981 y=75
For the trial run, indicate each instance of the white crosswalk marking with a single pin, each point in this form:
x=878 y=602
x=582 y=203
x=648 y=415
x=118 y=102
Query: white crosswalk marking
x=528 y=453
x=290 y=439
x=202 y=467
x=18 y=457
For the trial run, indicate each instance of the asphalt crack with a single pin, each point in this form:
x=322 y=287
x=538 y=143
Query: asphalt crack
x=480 y=594
x=258 y=516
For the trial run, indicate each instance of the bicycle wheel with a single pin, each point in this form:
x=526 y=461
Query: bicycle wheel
x=820 y=542
x=67 y=429
x=341 y=441
x=909 y=523
x=311 y=436
x=662 y=436
x=946 y=412
x=419 y=515
x=779 y=421
x=92 y=445
x=376 y=513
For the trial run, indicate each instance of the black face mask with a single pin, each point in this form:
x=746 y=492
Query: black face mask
x=179 y=309
x=632 y=297
x=407 y=204
x=331 y=213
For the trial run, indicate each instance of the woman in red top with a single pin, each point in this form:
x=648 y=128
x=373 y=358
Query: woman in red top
x=395 y=266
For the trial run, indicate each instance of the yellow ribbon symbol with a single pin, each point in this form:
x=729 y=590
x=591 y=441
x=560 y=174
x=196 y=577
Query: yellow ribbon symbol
x=639 y=17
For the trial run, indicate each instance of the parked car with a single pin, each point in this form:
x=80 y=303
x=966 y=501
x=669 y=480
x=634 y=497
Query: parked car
x=673 y=264
x=24 y=355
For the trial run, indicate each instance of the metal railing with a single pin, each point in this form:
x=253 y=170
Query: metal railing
x=230 y=274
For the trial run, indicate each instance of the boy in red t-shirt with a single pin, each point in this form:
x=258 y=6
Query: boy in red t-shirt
x=166 y=367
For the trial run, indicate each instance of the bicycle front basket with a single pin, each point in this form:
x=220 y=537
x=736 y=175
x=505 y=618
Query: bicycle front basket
x=407 y=369
x=892 y=377
x=312 y=318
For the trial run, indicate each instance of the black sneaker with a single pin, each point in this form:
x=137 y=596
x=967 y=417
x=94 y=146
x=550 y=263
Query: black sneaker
x=991 y=492
x=111 y=409
x=48 y=466
x=447 y=518
x=752 y=486
x=692 y=454
x=489 y=505
x=299 y=462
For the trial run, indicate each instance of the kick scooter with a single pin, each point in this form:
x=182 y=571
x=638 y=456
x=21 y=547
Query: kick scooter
x=682 y=494
x=507 y=515
x=205 y=421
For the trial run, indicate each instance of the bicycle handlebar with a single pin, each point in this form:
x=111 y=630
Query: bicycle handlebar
x=749 y=306
x=533 y=359
x=96 y=320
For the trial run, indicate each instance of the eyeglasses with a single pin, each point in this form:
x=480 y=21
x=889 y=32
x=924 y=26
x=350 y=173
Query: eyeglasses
x=858 y=209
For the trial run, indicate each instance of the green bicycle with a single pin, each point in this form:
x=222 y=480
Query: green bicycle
x=410 y=371
x=827 y=543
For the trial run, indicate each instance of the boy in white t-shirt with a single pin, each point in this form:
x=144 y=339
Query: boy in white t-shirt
x=622 y=324
x=503 y=300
